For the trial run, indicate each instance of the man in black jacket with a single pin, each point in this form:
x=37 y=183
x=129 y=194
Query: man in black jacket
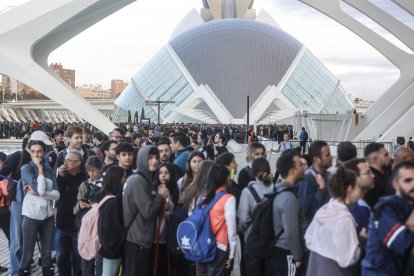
x=71 y=175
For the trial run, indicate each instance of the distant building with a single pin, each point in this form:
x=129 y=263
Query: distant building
x=16 y=86
x=117 y=86
x=93 y=91
x=67 y=75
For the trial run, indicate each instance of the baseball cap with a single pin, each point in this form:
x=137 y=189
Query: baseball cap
x=40 y=136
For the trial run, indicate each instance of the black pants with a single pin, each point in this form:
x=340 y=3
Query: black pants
x=303 y=146
x=215 y=267
x=137 y=260
x=280 y=263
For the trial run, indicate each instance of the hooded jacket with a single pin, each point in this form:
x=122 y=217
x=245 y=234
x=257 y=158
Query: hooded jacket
x=139 y=194
x=332 y=235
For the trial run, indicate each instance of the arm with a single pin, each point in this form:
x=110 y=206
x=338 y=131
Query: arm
x=393 y=232
x=142 y=199
x=243 y=211
x=346 y=241
x=289 y=205
x=230 y=218
x=50 y=195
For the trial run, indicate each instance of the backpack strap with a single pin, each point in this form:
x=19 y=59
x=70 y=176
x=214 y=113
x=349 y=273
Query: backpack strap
x=19 y=164
x=210 y=205
x=254 y=193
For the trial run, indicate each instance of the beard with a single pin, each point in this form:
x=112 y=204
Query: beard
x=407 y=195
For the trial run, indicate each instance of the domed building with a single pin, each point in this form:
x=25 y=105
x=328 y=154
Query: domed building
x=218 y=59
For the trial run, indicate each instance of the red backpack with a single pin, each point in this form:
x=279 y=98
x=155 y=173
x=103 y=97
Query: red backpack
x=88 y=240
x=4 y=194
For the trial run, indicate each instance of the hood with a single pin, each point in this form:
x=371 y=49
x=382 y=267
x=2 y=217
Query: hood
x=142 y=160
x=332 y=210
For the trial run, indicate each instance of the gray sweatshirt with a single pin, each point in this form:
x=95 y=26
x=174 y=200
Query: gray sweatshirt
x=248 y=203
x=139 y=193
x=288 y=215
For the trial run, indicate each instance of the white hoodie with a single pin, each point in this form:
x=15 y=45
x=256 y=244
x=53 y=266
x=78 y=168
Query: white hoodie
x=332 y=234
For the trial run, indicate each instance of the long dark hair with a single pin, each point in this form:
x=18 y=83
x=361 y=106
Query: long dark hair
x=189 y=177
x=112 y=181
x=198 y=185
x=218 y=175
x=172 y=183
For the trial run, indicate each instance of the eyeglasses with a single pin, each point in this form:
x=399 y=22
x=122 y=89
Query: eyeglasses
x=71 y=161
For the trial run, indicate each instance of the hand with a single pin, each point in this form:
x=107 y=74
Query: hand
x=38 y=163
x=319 y=179
x=363 y=233
x=298 y=264
x=28 y=189
x=229 y=264
x=163 y=191
x=62 y=169
x=84 y=205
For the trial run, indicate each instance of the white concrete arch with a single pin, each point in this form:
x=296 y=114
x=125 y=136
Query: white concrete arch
x=389 y=115
x=30 y=32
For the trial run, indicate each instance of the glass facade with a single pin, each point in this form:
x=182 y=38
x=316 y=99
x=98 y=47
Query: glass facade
x=312 y=87
x=161 y=79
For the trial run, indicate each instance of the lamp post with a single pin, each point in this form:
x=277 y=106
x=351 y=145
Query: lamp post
x=158 y=104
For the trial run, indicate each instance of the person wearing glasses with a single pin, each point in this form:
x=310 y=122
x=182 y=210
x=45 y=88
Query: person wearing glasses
x=71 y=175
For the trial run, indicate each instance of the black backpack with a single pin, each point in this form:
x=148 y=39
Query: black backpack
x=305 y=136
x=111 y=230
x=262 y=238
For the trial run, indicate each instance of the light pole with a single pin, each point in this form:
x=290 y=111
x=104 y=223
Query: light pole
x=158 y=104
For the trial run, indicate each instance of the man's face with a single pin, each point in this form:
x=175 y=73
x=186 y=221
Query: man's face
x=125 y=159
x=110 y=153
x=58 y=138
x=153 y=161
x=174 y=146
x=76 y=140
x=87 y=138
x=384 y=159
x=286 y=138
x=366 y=178
x=72 y=161
x=326 y=157
x=299 y=168
x=259 y=152
x=404 y=184
x=165 y=152
x=116 y=136
x=195 y=146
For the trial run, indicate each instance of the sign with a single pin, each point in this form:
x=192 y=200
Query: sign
x=145 y=121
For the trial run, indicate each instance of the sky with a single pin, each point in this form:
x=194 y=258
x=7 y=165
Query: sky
x=119 y=45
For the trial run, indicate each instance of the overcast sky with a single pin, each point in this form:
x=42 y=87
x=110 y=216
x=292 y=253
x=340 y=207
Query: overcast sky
x=118 y=46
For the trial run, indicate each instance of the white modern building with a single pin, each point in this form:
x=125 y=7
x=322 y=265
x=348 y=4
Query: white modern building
x=215 y=59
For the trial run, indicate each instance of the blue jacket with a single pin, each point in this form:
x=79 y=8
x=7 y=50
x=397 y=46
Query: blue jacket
x=182 y=157
x=311 y=197
x=388 y=239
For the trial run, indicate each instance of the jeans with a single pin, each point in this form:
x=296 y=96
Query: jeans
x=31 y=227
x=16 y=237
x=110 y=267
x=215 y=267
x=67 y=250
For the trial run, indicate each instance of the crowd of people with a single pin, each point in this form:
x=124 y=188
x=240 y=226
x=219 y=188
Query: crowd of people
x=310 y=218
x=238 y=132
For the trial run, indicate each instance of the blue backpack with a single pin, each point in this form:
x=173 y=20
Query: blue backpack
x=194 y=235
